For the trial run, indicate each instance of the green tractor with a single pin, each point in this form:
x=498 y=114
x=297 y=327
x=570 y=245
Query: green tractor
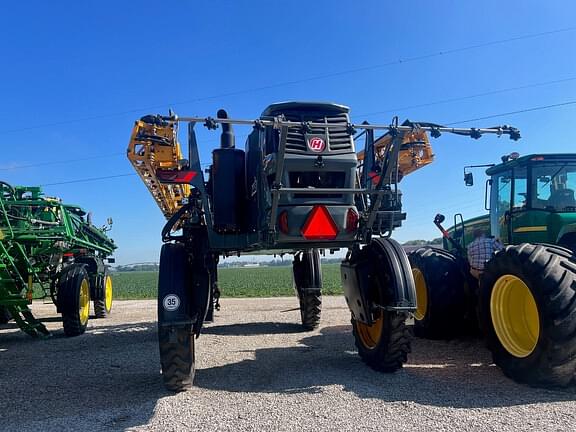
x=524 y=301
x=51 y=249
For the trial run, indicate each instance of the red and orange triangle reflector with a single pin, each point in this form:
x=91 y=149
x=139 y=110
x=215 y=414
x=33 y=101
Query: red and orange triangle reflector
x=319 y=225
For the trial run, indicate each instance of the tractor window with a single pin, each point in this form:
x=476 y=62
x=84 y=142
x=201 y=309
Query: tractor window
x=504 y=193
x=554 y=185
x=520 y=188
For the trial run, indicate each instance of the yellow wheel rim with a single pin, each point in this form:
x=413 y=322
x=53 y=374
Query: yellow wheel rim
x=370 y=335
x=84 y=301
x=108 y=293
x=421 y=294
x=515 y=316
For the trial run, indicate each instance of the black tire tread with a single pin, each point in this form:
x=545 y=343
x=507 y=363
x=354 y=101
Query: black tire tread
x=392 y=351
x=550 y=273
x=100 y=303
x=69 y=285
x=311 y=309
x=177 y=357
x=446 y=313
x=308 y=274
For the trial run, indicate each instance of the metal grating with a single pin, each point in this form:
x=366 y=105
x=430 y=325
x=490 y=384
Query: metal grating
x=338 y=138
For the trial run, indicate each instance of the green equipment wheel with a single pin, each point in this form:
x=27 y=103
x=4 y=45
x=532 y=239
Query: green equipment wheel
x=4 y=315
x=307 y=273
x=73 y=289
x=103 y=304
x=527 y=310
x=440 y=294
x=176 y=342
x=384 y=345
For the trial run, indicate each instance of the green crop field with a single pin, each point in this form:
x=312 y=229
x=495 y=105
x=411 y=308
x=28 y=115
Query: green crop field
x=233 y=282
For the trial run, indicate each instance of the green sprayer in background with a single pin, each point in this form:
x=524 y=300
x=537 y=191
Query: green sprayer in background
x=51 y=248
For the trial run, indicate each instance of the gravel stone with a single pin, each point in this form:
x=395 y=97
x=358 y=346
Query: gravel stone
x=258 y=371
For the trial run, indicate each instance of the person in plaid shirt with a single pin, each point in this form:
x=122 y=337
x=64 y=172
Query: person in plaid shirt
x=480 y=251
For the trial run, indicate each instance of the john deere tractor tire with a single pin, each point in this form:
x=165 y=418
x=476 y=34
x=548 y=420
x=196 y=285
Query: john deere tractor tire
x=527 y=310
x=4 y=315
x=74 y=299
x=103 y=304
x=308 y=282
x=384 y=345
x=440 y=294
x=176 y=341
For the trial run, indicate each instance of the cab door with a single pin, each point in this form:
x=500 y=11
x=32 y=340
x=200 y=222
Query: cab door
x=501 y=206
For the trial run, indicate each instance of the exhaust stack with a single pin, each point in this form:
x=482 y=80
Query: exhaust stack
x=227 y=138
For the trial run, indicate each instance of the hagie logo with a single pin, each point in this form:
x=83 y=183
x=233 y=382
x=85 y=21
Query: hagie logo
x=316 y=144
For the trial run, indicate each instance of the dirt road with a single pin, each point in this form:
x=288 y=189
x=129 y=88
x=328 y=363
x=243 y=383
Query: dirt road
x=258 y=371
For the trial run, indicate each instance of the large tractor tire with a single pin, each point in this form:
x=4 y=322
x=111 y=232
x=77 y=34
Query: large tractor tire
x=176 y=342
x=74 y=299
x=440 y=293
x=527 y=310
x=103 y=304
x=384 y=345
x=308 y=282
x=5 y=315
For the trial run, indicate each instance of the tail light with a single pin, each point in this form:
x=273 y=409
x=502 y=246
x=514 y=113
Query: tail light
x=352 y=219
x=320 y=225
x=283 y=222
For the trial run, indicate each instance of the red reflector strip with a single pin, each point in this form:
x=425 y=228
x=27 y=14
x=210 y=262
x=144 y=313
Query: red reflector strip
x=374 y=177
x=169 y=176
x=320 y=225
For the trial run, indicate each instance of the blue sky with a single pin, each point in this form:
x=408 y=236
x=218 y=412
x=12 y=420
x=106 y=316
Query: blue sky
x=111 y=62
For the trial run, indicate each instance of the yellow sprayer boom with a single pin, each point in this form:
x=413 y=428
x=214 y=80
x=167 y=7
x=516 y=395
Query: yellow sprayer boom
x=154 y=145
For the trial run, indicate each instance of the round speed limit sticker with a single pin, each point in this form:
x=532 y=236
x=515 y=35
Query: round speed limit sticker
x=171 y=302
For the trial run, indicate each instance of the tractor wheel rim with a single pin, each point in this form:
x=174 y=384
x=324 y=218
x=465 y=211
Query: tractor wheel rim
x=108 y=293
x=421 y=294
x=515 y=316
x=84 y=301
x=370 y=335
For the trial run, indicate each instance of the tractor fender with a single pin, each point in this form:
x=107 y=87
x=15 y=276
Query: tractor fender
x=567 y=236
x=96 y=268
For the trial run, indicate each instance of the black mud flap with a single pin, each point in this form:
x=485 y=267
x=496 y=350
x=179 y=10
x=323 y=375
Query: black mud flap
x=379 y=270
x=175 y=287
x=201 y=288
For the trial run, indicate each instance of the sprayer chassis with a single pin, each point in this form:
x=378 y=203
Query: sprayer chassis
x=300 y=187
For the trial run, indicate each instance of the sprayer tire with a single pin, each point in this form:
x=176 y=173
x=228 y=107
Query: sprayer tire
x=74 y=299
x=308 y=283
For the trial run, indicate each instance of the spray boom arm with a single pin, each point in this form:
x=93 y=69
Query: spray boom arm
x=156 y=154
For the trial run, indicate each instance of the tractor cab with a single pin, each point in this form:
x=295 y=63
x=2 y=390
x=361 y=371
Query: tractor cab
x=532 y=199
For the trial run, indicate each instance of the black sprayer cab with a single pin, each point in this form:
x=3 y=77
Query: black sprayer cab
x=294 y=190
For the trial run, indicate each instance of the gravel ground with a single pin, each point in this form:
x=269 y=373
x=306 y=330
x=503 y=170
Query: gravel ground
x=258 y=371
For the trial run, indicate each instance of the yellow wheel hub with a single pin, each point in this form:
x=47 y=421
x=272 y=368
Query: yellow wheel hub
x=370 y=335
x=515 y=316
x=84 y=301
x=421 y=294
x=108 y=293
